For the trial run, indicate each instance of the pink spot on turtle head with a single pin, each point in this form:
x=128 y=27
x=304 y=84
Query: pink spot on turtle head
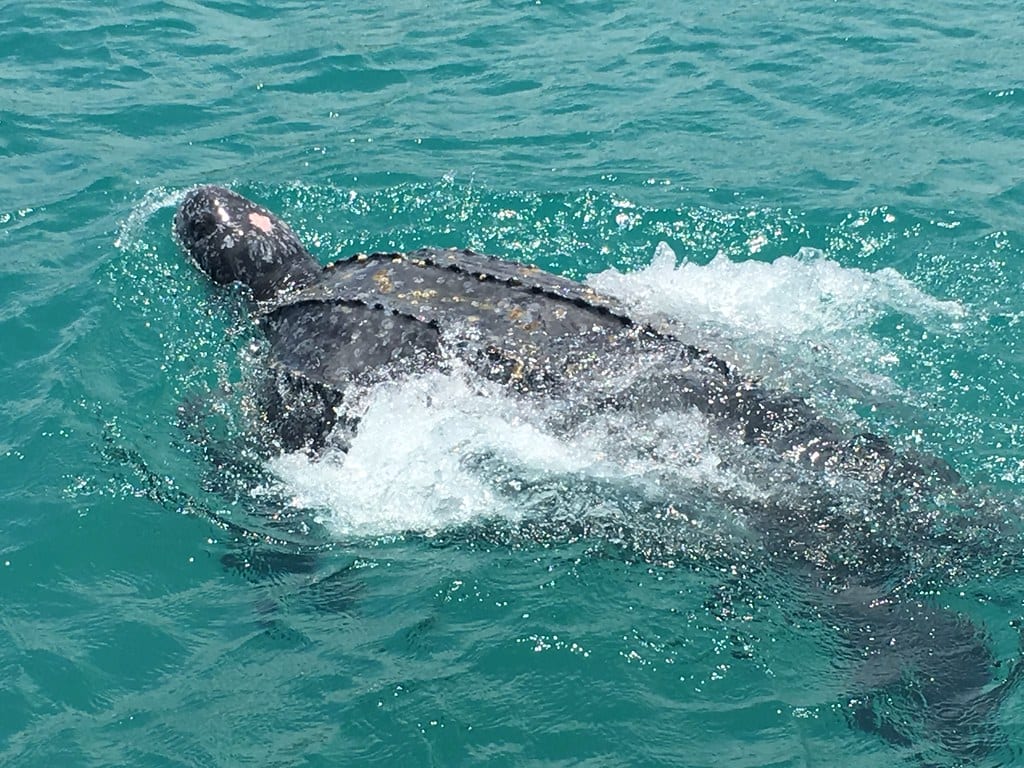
x=261 y=222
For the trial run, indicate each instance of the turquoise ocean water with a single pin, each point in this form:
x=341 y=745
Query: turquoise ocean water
x=839 y=191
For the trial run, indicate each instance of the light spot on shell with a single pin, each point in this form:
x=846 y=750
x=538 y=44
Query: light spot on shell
x=261 y=222
x=383 y=280
x=422 y=294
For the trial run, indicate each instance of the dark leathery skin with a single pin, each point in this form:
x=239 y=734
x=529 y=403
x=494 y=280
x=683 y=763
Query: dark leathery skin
x=516 y=311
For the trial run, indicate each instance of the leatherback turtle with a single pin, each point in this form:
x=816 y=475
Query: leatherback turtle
x=380 y=315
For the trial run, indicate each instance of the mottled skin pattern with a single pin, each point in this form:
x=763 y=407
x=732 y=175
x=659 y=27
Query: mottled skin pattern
x=376 y=316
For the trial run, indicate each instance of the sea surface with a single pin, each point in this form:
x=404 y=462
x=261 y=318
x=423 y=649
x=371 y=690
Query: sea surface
x=828 y=195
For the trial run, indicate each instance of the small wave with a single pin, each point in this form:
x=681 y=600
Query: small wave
x=132 y=234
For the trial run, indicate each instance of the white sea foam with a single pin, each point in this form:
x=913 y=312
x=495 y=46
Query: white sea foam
x=793 y=295
x=796 y=319
x=409 y=468
x=439 y=450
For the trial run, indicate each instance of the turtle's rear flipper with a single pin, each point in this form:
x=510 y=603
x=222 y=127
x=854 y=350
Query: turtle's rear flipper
x=924 y=671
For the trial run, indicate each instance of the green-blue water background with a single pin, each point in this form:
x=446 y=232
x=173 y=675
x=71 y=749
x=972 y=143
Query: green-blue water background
x=573 y=135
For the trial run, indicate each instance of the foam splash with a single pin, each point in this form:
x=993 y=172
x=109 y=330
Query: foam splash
x=804 y=313
x=131 y=232
x=805 y=294
x=410 y=466
x=444 y=449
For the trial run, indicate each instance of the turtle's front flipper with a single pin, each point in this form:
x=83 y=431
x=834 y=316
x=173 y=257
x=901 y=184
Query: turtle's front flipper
x=320 y=349
x=297 y=412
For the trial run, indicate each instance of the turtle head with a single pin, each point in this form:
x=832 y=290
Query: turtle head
x=234 y=240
